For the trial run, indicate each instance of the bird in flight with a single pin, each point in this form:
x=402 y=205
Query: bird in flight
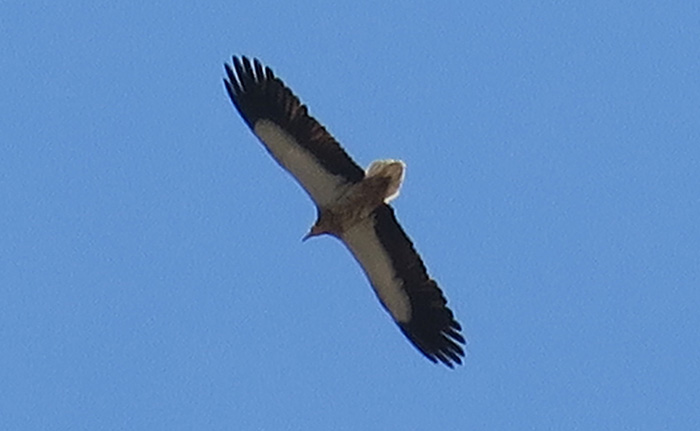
x=352 y=205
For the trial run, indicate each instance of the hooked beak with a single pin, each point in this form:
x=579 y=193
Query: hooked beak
x=315 y=231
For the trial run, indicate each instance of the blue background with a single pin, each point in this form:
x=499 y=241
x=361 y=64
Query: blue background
x=151 y=270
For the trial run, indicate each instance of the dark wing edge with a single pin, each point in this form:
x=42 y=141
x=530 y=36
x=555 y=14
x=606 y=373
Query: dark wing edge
x=432 y=329
x=258 y=94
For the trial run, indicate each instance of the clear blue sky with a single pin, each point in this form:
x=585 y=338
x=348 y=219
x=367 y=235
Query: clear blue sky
x=152 y=274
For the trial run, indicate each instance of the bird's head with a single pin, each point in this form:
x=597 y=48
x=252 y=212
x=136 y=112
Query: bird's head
x=324 y=225
x=316 y=230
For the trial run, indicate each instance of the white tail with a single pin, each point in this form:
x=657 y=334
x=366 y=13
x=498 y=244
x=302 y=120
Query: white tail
x=392 y=169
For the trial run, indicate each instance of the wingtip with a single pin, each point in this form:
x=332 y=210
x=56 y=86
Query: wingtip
x=449 y=354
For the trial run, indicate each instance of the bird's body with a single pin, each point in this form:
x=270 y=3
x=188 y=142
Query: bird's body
x=358 y=201
x=352 y=206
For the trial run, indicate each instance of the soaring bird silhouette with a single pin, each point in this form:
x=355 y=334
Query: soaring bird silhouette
x=353 y=206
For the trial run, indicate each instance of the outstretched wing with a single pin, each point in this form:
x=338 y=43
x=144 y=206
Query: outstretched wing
x=403 y=286
x=295 y=139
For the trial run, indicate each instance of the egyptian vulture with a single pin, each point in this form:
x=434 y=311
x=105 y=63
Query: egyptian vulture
x=352 y=205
